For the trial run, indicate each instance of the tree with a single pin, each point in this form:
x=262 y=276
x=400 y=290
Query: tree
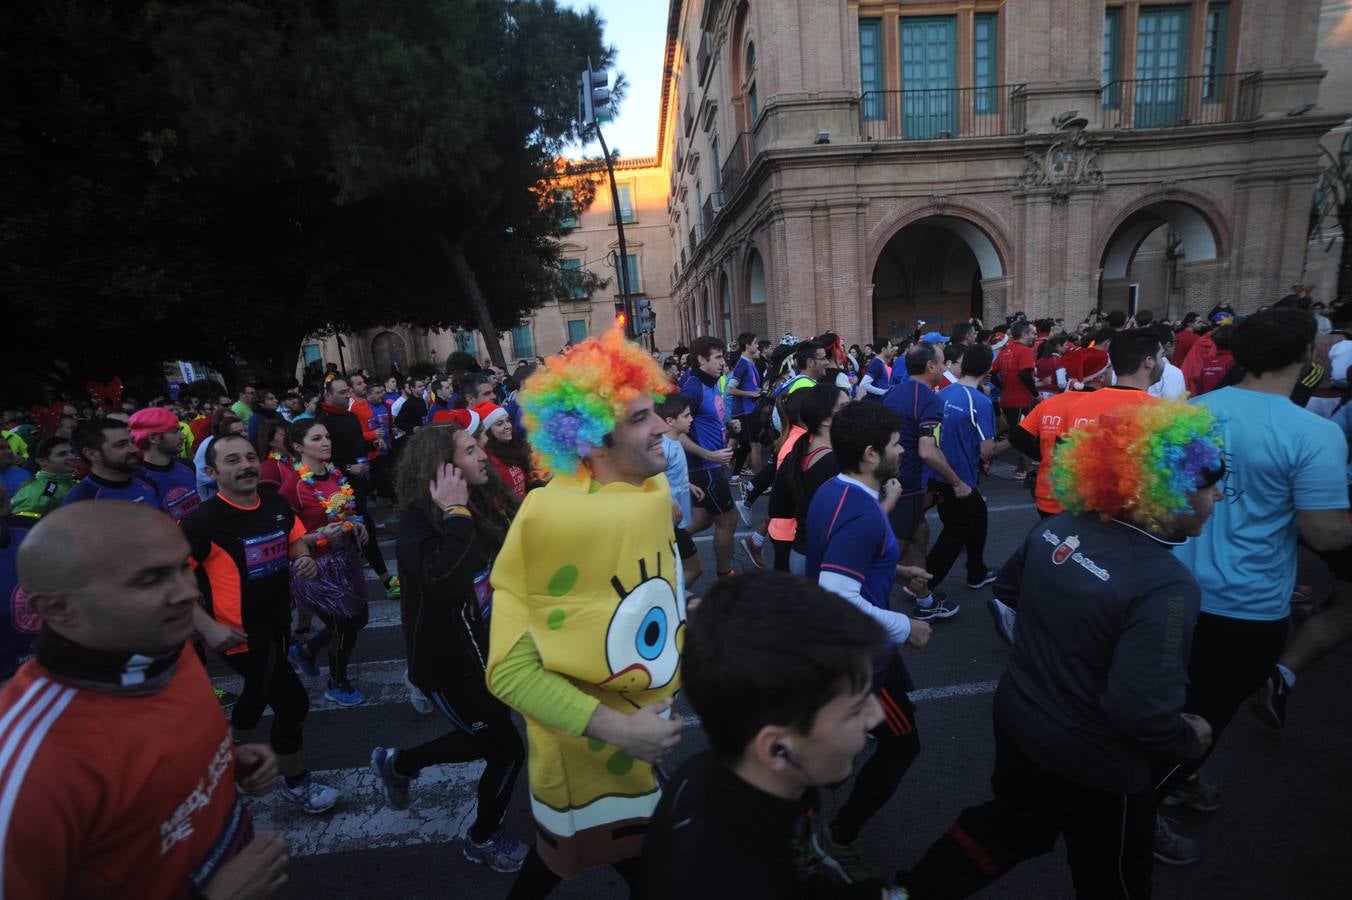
x=216 y=179
x=1333 y=200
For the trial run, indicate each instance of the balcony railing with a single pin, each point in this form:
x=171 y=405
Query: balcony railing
x=712 y=204
x=941 y=113
x=696 y=235
x=1176 y=102
x=738 y=161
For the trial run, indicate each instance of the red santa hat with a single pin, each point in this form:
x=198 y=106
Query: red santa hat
x=490 y=413
x=467 y=419
x=1083 y=366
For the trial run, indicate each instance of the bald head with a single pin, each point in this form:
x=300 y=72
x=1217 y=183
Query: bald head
x=110 y=575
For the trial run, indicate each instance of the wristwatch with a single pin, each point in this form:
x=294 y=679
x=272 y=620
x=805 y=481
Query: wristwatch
x=456 y=509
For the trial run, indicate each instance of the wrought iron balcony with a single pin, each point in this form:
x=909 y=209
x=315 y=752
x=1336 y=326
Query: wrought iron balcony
x=738 y=161
x=942 y=113
x=1177 y=102
x=712 y=205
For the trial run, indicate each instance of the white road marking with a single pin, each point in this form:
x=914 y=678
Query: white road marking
x=444 y=799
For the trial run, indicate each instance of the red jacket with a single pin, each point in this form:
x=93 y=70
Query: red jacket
x=1183 y=344
x=1206 y=366
x=512 y=475
x=115 y=795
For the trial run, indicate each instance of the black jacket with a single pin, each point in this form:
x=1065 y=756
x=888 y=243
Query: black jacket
x=715 y=837
x=346 y=435
x=440 y=560
x=1098 y=674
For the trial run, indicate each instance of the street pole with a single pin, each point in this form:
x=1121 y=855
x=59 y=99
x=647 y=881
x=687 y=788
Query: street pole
x=622 y=261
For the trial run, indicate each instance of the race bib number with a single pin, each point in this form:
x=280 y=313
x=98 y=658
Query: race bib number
x=265 y=555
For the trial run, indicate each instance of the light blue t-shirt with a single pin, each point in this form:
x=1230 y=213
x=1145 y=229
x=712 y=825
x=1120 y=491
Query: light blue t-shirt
x=678 y=476
x=1279 y=458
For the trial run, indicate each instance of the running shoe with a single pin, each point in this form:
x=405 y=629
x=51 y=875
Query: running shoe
x=343 y=693
x=1005 y=618
x=939 y=608
x=393 y=785
x=846 y=860
x=392 y=587
x=1196 y=793
x=421 y=705
x=303 y=660
x=988 y=578
x=500 y=852
x=1171 y=847
x=1269 y=704
x=309 y=795
x=753 y=551
x=744 y=511
x=1020 y=474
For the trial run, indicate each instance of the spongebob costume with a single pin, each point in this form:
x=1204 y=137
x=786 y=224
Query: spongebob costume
x=590 y=572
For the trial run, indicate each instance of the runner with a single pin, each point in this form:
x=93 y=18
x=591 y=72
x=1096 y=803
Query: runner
x=809 y=464
x=274 y=456
x=18 y=625
x=966 y=439
x=852 y=553
x=322 y=499
x=878 y=372
x=708 y=452
x=779 y=676
x=509 y=454
x=223 y=422
x=106 y=445
x=1093 y=696
x=1018 y=388
x=245 y=545
x=587 y=621
x=53 y=481
x=125 y=785
x=453 y=518
x=744 y=387
x=156 y=434
x=921 y=412
x=675 y=411
x=1286 y=478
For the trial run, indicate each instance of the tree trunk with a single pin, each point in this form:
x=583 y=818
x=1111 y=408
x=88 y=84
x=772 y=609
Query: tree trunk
x=470 y=285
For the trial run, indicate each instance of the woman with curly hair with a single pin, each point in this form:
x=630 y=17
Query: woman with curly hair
x=454 y=516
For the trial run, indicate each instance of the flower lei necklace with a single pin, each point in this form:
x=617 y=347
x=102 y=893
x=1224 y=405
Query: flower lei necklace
x=338 y=506
x=279 y=457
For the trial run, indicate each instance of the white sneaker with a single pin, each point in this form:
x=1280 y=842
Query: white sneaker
x=421 y=704
x=1004 y=618
x=744 y=511
x=309 y=795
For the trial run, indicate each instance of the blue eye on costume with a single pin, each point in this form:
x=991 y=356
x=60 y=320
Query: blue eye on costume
x=652 y=634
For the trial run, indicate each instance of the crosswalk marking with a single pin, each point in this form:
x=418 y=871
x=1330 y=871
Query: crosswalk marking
x=443 y=802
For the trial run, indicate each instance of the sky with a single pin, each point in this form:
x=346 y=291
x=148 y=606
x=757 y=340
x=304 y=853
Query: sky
x=638 y=31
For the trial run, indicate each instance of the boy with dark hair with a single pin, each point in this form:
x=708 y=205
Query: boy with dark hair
x=878 y=373
x=851 y=551
x=707 y=449
x=779 y=675
x=744 y=389
x=675 y=411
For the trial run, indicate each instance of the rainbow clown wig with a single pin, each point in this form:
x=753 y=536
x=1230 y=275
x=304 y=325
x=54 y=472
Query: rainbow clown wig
x=576 y=399
x=1139 y=463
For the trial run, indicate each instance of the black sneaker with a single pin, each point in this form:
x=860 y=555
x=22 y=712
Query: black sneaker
x=1196 y=793
x=940 y=608
x=1269 y=704
x=1171 y=847
x=978 y=584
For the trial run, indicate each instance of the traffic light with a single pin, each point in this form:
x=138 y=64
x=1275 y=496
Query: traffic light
x=594 y=97
x=621 y=319
x=643 y=315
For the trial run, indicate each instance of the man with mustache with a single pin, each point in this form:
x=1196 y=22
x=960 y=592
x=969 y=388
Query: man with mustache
x=244 y=546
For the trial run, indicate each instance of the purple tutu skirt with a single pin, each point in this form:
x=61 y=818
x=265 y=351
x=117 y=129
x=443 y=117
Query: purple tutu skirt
x=340 y=588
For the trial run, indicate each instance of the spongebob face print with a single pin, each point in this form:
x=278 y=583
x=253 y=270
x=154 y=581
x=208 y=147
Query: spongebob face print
x=643 y=642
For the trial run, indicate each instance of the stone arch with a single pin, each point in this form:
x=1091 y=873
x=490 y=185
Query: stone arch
x=979 y=228
x=389 y=350
x=1196 y=220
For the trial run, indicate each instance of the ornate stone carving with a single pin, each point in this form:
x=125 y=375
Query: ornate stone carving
x=1069 y=162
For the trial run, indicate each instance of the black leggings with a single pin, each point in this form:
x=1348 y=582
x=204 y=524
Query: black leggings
x=269 y=680
x=483 y=730
x=897 y=746
x=763 y=481
x=339 y=635
x=537 y=879
x=363 y=488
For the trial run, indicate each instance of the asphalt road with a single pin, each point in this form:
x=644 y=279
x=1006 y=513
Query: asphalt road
x=1280 y=833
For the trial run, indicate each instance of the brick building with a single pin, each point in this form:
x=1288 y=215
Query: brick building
x=865 y=164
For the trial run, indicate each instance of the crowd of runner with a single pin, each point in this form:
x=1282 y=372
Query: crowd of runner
x=1177 y=467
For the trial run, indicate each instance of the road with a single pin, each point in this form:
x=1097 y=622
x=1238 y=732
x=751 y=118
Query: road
x=1279 y=834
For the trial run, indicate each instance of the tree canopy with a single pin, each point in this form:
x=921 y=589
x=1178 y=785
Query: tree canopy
x=216 y=179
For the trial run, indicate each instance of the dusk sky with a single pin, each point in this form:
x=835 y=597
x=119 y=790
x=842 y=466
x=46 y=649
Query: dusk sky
x=637 y=29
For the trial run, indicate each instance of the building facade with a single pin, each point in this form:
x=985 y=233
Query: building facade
x=865 y=165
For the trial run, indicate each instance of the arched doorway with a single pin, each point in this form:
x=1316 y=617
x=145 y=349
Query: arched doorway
x=755 y=279
x=725 y=308
x=931 y=272
x=1143 y=258
x=388 y=353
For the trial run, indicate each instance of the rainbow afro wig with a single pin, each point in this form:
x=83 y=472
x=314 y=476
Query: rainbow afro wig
x=1141 y=462
x=576 y=399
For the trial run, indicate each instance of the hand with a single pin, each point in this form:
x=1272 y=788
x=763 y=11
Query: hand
x=359 y=532
x=962 y=489
x=261 y=764
x=891 y=492
x=358 y=470
x=913 y=573
x=735 y=426
x=1201 y=727
x=333 y=532
x=643 y=734
x=696 y=492
x=255 y=873
x=676 y=513
x=692 y=603
x=722 y=457
x=221 y=637
x=305 y=567
x=448 y=488
x=920 y=634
